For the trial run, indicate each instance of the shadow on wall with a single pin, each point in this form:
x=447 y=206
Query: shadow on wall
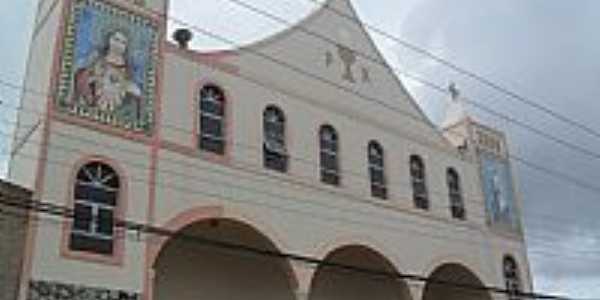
x=460 y=275
x=189 y=270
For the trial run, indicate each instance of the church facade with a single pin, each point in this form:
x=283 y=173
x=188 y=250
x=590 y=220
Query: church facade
x=295 y=144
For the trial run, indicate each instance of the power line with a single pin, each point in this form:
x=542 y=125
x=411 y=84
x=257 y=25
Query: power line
x=577 y=182
x=304 y=160
x=470 y=74
x=212 y=170
x=554 y=173
x=563 y=177
x=536 y=253
x=438 y=88
x=418 y=118
x=468 y=197
x=216 y=184
x=67 y=213
x=536 y=167
x=343 y=88
x=431 y=85
x=301 y=159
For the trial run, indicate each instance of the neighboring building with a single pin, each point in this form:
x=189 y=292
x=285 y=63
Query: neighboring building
x=13 y=224
x=292 y=144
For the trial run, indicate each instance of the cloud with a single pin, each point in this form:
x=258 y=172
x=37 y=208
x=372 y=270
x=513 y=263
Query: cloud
x=518 y=44
x=13 y=47
x=230 y=20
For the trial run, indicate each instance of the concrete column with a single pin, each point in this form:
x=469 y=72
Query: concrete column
x=304 y=274
x=416 y=289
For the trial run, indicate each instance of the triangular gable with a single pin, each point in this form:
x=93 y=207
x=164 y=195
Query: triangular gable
x=349 y=76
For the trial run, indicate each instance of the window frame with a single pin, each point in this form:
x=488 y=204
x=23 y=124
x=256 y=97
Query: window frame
x=330 y=174
x=420 y=200
x=275 y=160
x=116 y=258
x=512 y=281
x=455 y=195
x=207 y=141
x=379 y=189
x=93 y=234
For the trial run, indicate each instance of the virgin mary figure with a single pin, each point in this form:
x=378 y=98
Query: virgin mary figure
x=105 y=82
x=500 y=203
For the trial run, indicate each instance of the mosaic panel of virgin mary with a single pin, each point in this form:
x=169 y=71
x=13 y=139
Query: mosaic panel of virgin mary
x=499 y=192
x=109 y=66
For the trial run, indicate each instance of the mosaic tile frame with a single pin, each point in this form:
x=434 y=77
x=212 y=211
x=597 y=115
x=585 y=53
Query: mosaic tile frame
x=49 y=290
x=67 y=66
x=509 y=218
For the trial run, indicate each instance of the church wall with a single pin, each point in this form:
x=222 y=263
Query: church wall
x=13 y=229
x=304 y=116
x=503 y=246
x=156 y=6
x=247 y=102
x=177 y=118
x=313 y=225
x=23 y=165
x=70 y=147
x=29 y=129
x=186 y=181
x=301 y=214
x=381 y=95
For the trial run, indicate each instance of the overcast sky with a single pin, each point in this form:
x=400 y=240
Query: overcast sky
x=543 y=49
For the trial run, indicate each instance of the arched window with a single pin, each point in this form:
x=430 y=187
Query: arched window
x=328 y=140
x=457 y=205
x=274 y=149
x=419 y=183
x=512 y=278
x=96 y=194
x=212 y=119
x=377 y=171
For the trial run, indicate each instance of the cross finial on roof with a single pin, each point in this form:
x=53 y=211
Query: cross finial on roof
x=454 y=91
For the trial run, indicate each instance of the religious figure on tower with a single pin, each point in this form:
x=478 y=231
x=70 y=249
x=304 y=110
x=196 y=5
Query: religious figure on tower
x=500 y=203
x=106 y=81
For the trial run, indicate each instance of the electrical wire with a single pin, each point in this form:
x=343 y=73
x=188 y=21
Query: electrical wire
x=343 y=88
x=335 y=85
x=307 y=181
x=524 y=125
x=470 y=74
x=67 y=213
x=527 y=163
x=578 y=182
x=236 y=199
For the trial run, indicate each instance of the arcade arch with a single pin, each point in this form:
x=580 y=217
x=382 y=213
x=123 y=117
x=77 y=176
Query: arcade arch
x=187 y=269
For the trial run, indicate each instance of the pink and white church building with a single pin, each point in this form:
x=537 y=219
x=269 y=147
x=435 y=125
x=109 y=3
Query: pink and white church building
x=293 y=144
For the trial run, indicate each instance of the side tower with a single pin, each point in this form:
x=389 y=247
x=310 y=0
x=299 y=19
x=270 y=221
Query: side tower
x=488 y=147
x=72 y=41
x=92 y=83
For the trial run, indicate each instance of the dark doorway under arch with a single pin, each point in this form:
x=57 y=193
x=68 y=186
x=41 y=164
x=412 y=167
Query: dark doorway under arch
x=455 y=274
x=187 y=269
x=333 y=283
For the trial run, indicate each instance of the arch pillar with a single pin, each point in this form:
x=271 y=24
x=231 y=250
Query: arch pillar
x=304 y=275
x=451 y=275
x=165 y=268
x=499 y=296
x=416 y=289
